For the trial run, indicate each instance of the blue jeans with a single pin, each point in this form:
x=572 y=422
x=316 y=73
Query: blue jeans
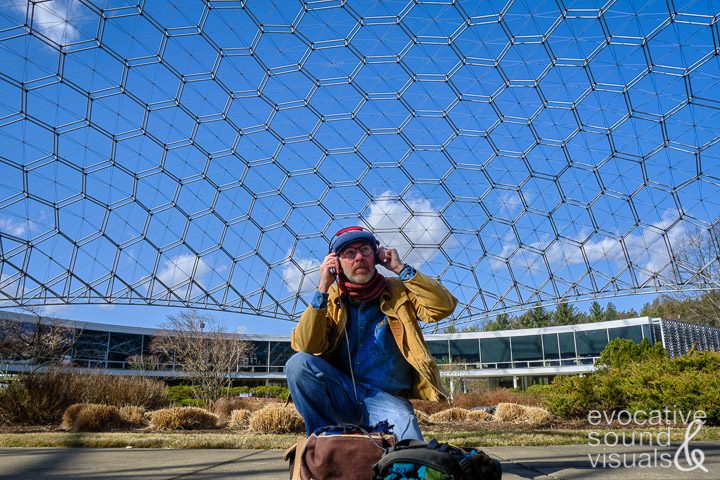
x=324 y=396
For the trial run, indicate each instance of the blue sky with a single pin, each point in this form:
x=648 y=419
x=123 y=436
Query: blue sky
x=203 y=154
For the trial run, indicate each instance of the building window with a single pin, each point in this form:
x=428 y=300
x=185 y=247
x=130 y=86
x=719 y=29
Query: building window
x=527 y=347
x=280 y=353
x=567 y=345
x=439 y=350
x=495 y=350
x=91 y=345
x=591 y=343
x=551 y=347
x=257 y=357
x=465 y=351
x=634 y=333
x=123 y=345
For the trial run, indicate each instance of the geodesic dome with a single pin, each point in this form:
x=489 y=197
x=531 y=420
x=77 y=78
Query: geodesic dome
x=203 y=153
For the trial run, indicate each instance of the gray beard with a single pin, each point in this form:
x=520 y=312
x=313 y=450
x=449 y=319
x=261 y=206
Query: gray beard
x=360 y=280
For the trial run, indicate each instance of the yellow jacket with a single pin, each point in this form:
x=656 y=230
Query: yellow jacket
x=404 y=303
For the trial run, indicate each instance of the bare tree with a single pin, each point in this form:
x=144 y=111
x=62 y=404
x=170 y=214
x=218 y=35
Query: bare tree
x=144 y=363
x=207 y=353
x=35 y=341
x=697 y=259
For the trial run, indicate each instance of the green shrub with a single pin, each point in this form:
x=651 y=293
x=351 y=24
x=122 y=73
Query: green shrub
x=654 y=382
x=235 y=391
x=271 y=392
x=183 y=396
x=620 y=352
x=538 y=390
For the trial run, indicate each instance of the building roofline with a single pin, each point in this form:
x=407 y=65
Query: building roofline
x=520 y=332
x=107 y=327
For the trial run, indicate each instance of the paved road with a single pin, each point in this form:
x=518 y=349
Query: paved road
x=565 y=462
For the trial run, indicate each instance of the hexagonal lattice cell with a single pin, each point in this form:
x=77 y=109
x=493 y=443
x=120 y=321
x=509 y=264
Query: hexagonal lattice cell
x=203 y=153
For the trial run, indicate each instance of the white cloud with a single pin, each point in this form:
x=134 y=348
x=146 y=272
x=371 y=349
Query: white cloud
x=413 y=227
x=17 y=229
x=645 y=246
x=57 y=310
x=301 y=278
x=393 y=222
x=10 y=289
x=53 y=18
x=177 y=272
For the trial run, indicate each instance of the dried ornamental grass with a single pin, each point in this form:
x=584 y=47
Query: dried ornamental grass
x=277 y=418
x=225 y=405
x=537 y=415
x=91 y=417
x=454 y=414
x=183 y=418
x=479 y=416
x=133 y=416
x=422 y=417
x=495 y=396
x=41 y=398
x=429 y=406
x=70 y=415
x=510 y=412
x=240 y=419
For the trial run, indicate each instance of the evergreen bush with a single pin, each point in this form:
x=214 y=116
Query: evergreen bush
x=648 y=381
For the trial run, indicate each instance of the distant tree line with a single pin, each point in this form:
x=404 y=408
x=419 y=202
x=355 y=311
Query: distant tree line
x=703 y=309
x=563 y=314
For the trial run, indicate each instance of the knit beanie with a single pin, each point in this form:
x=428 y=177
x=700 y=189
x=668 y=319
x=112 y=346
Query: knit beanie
x=348 y=235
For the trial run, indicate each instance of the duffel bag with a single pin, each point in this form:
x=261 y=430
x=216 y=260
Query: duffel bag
x=343 y=452
x=411 y=459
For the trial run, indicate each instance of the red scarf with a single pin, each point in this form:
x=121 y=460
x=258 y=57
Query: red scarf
x=362 y=292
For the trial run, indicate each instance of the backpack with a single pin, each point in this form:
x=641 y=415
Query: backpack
x=343 y=452
x=411 y=459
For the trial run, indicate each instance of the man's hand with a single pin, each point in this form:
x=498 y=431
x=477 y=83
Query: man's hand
x=328 y=269
x=390 y=259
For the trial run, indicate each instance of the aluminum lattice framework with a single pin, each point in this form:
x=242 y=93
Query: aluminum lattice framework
x=202 y=153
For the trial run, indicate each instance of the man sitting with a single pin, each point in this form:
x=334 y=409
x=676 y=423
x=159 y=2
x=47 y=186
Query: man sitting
x=361 y=353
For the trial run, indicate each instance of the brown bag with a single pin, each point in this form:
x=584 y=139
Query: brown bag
x=346 y=456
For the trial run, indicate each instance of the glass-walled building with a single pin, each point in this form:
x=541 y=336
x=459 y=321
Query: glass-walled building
x=514 y=354
x=537 y=347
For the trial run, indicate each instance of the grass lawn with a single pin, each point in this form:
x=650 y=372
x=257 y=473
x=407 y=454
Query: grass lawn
x=480 y=437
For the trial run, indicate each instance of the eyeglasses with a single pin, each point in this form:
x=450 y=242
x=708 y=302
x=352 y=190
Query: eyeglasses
x=350 y=253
